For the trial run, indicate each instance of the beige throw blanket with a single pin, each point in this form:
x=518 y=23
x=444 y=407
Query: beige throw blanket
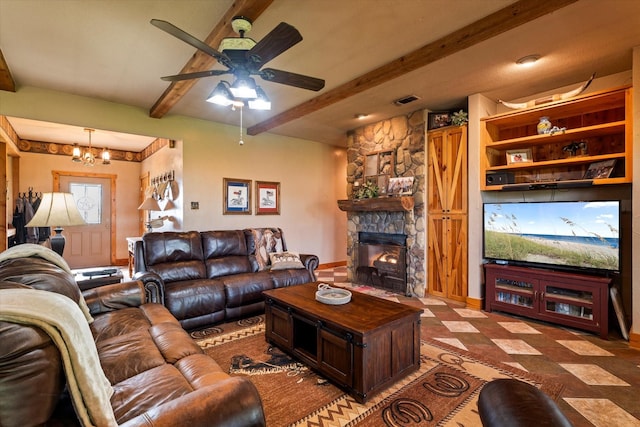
x=32 y=250
x=64 y=322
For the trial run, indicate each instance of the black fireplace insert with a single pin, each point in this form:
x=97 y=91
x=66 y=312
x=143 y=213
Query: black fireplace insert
x=382 y=261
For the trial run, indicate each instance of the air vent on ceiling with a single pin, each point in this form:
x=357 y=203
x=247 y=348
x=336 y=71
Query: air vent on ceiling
x=405 y=100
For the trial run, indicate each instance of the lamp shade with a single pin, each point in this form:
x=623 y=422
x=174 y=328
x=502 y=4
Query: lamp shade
x=149 y=204
x=56 y=210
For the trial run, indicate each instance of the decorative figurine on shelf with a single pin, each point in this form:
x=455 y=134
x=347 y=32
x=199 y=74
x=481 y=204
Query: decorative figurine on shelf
x=460 y=118
x=556 y=129
x=544 y=125
x=573 y=148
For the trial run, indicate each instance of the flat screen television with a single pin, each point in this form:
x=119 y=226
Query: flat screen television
x=582 y=235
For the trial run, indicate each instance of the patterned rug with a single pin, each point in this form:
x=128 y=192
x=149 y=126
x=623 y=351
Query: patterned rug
x=443 y=392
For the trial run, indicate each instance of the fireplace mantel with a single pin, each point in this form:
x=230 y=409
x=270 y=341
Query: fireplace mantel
x=378 y=204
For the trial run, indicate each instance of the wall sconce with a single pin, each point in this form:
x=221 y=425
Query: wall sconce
x=149 y=204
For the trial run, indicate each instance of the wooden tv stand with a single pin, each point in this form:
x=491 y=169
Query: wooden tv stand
x=575 y=300
x=363 y=346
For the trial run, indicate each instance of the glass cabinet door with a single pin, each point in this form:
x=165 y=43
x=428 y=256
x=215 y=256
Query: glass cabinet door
x=569 y=302
x=516 y=292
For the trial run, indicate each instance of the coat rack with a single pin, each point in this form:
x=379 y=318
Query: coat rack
x=162 y=185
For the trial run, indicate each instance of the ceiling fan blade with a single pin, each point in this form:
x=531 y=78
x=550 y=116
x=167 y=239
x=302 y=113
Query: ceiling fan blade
x=291 y=79
x=273 y=44
x=189 y=39
x=196 y=75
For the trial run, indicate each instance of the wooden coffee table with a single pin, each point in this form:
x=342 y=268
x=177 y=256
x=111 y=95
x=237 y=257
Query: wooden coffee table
x=363 y=346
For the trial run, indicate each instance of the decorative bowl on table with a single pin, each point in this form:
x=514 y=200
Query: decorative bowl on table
x=332 y=296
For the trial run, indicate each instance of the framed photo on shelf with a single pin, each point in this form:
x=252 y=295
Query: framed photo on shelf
x=523 y=155
x=267 y=198
x=237 y=196
x=439 y=119
x=402 y=186
x=601 y=169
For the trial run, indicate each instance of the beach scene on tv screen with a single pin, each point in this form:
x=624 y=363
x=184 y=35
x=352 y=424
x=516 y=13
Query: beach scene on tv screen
x=575 y=234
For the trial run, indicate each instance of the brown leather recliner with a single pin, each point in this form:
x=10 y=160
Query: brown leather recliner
x=159 y=375
x=507 y=402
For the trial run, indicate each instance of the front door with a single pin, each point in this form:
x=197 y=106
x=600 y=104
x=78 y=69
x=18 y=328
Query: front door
x=89 y=245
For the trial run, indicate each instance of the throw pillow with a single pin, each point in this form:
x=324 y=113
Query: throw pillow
x=285 y=260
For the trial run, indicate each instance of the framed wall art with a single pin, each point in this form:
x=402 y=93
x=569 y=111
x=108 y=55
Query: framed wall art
x=439 y=119
x=522 y=155
x=267 y=198
x=599 y=170
x=237 y=196
x=402 y=186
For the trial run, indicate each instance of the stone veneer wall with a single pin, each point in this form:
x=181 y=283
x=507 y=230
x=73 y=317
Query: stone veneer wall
x=406 y=136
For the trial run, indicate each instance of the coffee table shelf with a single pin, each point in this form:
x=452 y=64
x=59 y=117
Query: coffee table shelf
x=362 y=346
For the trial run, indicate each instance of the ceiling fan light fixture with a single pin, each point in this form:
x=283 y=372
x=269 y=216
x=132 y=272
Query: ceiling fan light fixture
x=261 y=102
x=221 y=95
x=244 y=88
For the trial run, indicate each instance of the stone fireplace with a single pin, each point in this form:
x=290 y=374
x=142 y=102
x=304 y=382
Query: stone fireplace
x=405 y=136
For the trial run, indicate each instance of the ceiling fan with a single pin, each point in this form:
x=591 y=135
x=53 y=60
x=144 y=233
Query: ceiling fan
x=243 y=57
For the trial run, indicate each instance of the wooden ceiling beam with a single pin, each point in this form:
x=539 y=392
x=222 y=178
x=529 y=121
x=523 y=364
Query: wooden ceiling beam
x=503 y=20
x=6 y=80
x=200 y=61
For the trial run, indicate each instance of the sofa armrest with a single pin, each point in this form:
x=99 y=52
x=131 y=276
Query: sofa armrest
x=153 y=285
x=310 y=262
x=114 y=297
x=148 y=288
x=230 y=402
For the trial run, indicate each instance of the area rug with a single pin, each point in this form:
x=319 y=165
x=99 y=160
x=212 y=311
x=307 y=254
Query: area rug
x=443 y=392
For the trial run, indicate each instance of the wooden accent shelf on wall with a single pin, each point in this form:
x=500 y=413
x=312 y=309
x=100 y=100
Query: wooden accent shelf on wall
x=602 y=120
x=378 y=204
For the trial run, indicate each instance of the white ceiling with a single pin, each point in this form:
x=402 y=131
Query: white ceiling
x=108 y=50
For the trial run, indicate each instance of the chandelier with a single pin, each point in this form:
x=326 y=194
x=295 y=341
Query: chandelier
x=88 y=158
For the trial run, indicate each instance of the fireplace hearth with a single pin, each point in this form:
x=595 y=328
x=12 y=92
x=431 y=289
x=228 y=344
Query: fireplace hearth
x=382 y=261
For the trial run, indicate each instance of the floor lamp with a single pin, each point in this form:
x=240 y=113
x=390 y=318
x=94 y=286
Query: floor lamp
x=57 y=210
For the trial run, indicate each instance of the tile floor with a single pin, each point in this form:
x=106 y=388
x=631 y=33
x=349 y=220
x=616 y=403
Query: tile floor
x=601 y=378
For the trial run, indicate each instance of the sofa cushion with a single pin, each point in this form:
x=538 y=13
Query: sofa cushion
x=242 y=289
x=225 y=253
x=172 y=247
x=285 y=260
x=194 y=298
x=290 y=277
x=217 y=244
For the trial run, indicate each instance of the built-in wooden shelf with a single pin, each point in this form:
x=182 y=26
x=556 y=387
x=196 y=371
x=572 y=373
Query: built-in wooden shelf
x=378 y=204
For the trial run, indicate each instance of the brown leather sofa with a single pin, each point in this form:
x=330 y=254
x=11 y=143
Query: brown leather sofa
x=214 y=276
x=158 y=374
